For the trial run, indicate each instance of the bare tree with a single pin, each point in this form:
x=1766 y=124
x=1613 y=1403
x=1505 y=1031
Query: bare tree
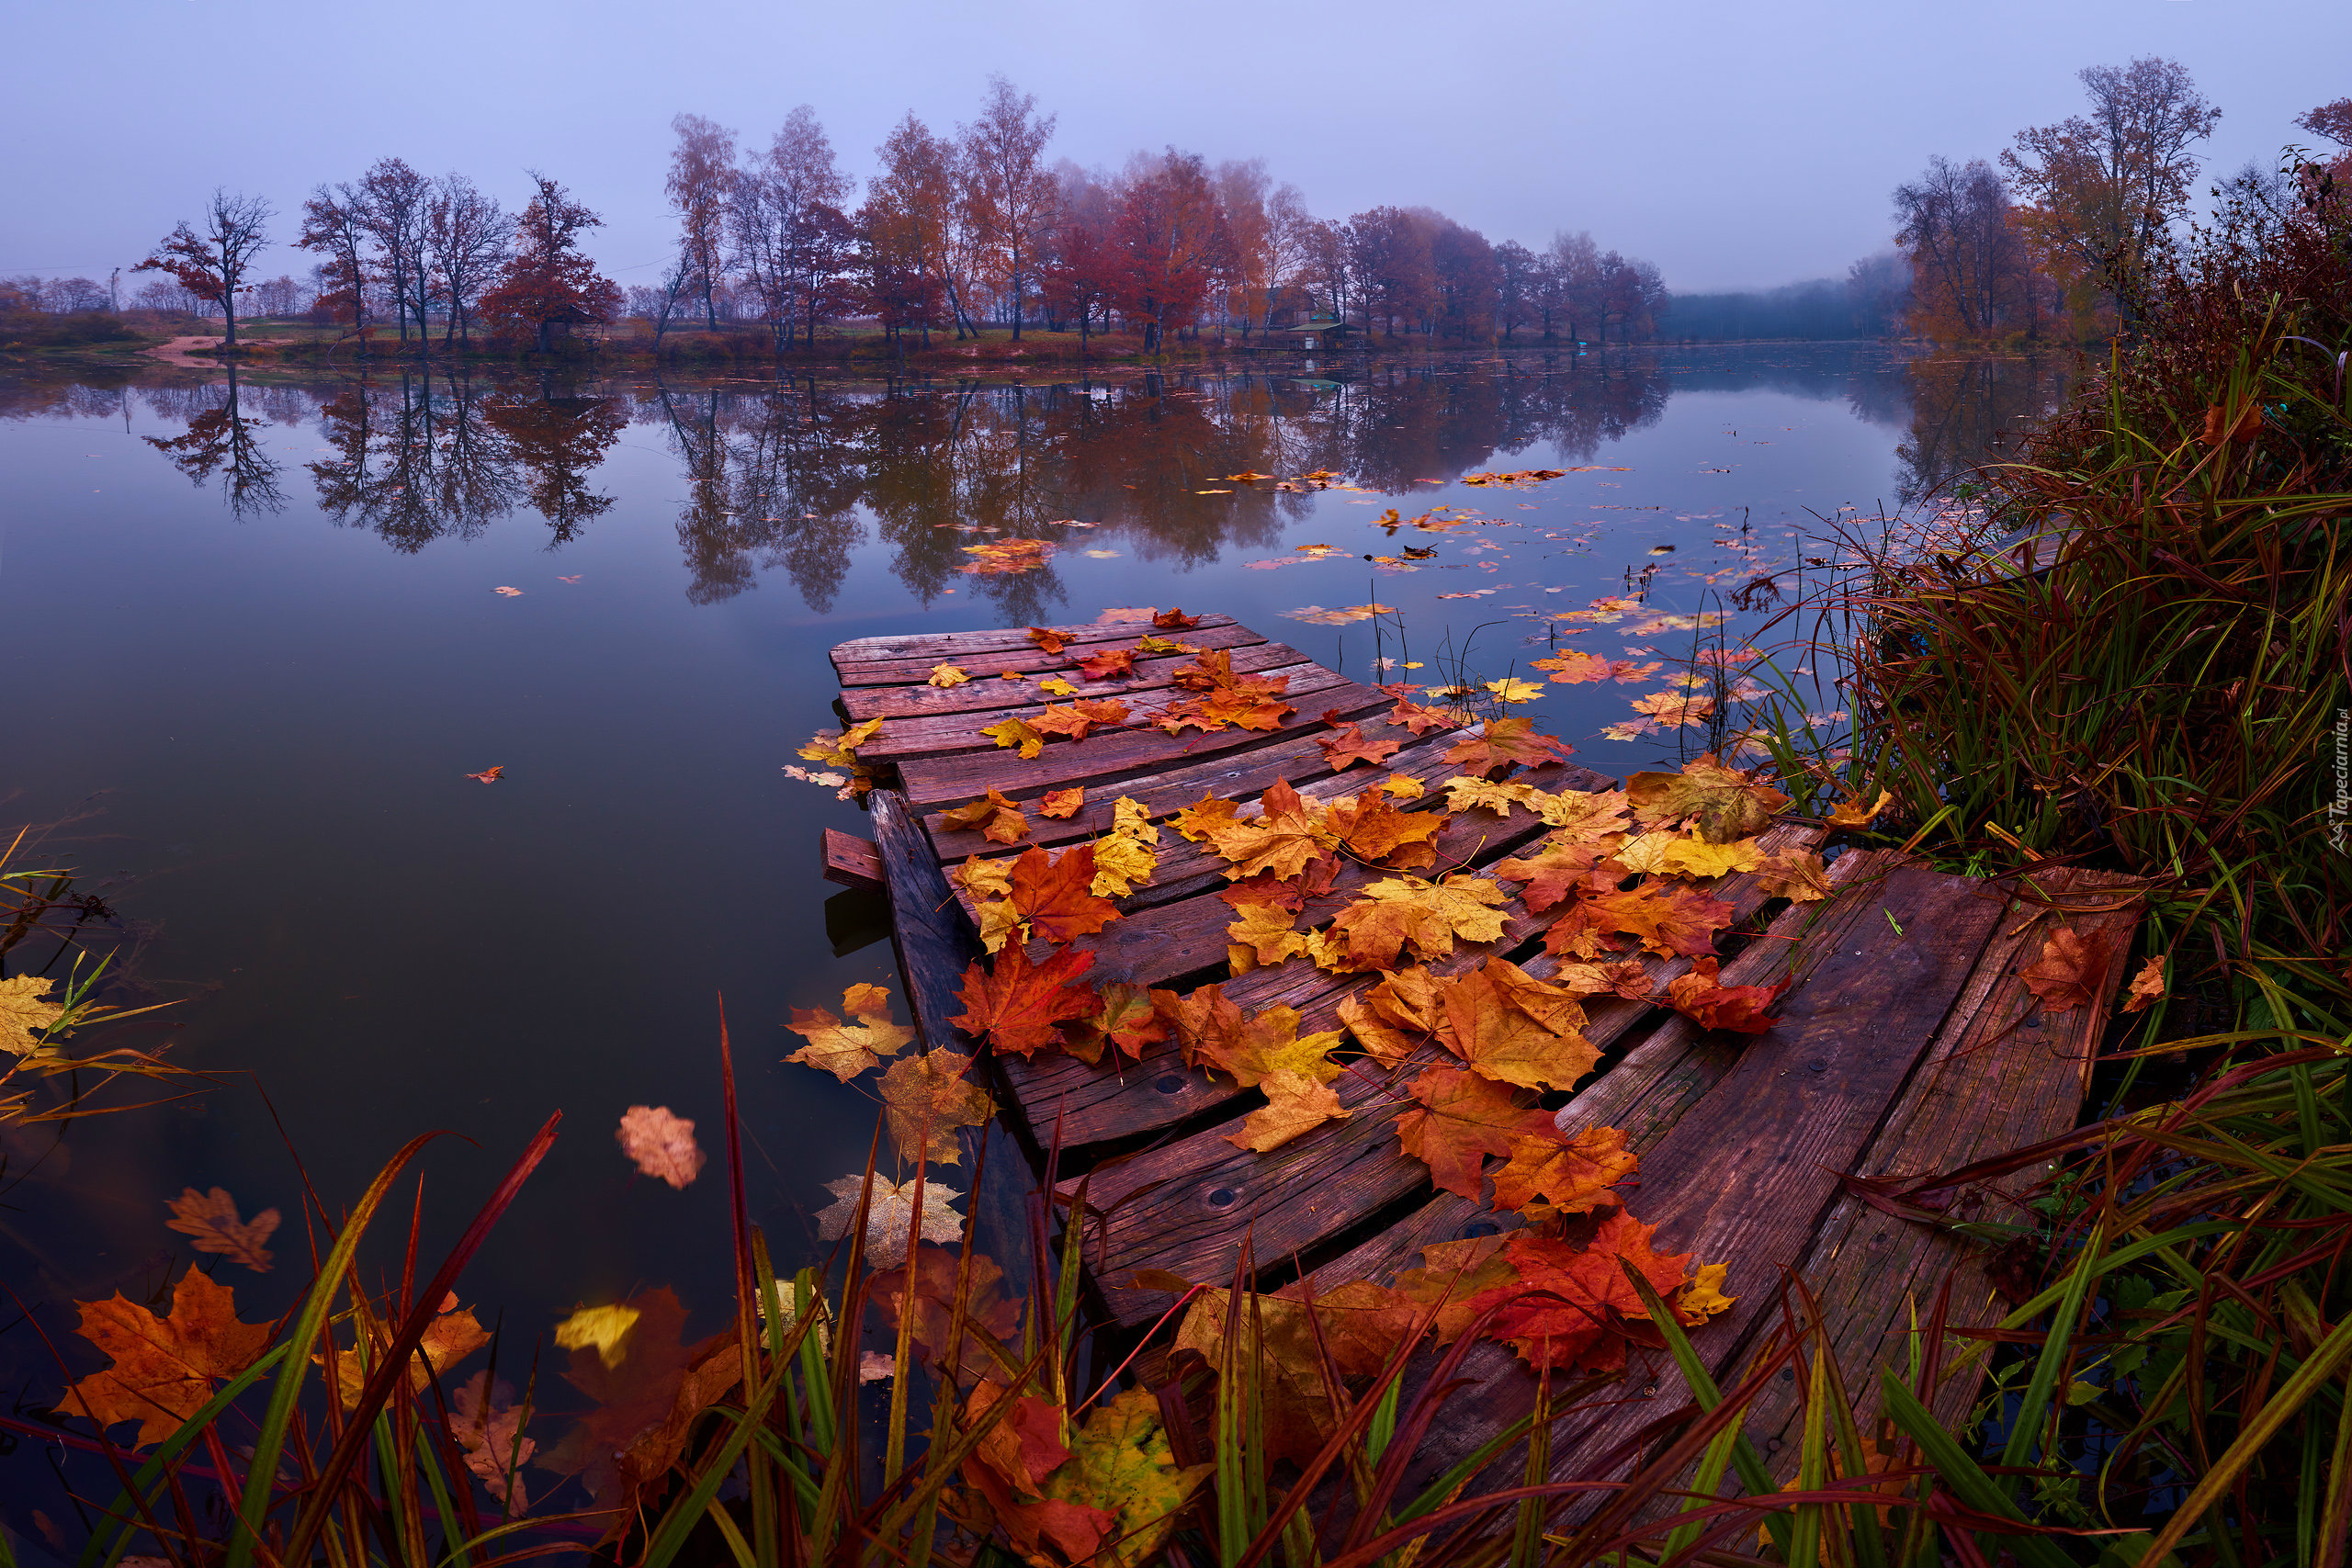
x=2105 y=188
x=1241 y=186
x=785 y=209
x=1576 y=291
x=393 y=199
x=1293 y=237
x=465 y=235
x=1969 y=270
x=658 y=303
x=702 y=167
x=211 y=264
x=331 y=225
x=1010 y=193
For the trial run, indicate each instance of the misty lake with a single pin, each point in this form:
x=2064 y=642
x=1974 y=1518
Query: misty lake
x=260 y=646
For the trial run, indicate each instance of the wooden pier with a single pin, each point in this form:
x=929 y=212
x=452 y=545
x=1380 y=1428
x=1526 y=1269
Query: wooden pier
x=1907 y=1043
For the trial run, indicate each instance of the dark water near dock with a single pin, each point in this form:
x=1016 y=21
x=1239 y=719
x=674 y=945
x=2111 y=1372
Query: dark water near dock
x=257 y=643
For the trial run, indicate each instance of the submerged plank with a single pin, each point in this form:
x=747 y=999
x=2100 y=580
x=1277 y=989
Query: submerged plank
x=917 y=701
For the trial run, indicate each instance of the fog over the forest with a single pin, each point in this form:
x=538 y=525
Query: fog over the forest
x=1733 y=145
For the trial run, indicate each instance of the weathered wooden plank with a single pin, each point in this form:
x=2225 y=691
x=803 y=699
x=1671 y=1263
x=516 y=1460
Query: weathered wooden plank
x=1189 y=1207
x=1645 y=1093
x=1249 y=656
x=941 y=735
x=896 y=661
x=949 y=781
x=1095 y=1104
x=2003 y=1074
x=851 y=860
x=1745 y=1175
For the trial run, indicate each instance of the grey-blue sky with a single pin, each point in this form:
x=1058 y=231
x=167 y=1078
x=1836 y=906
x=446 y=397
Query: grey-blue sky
x=1731 y=144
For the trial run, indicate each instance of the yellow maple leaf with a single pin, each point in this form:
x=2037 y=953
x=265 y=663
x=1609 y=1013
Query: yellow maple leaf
x=22 y=1011
x=1514 y=691
x=984 y=879
x=999 y=921
x=1674 y=854
x=601 y=1328
x=1055 y=686
x=1798 y=875
x=1594 y=816
x=1131 y=818
x=1402 y=788
x=839 y=748
x=948 y=675
x=846 y=1050
x=1122 y=859
x=1262 y=935
x=1294 y=1103
x=1013 y=732
x=1463 y=793
x=1851 y=813
x=1703 y=1298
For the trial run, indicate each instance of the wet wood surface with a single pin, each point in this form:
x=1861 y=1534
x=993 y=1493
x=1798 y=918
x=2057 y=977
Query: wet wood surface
x=1907 y=1043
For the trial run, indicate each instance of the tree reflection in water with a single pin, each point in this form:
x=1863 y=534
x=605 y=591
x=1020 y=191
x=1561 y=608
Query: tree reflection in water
x=224 y=439
x=1969 y=412
x=789 y=476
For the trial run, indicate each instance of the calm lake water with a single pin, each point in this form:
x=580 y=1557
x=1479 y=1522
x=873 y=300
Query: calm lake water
x=257 y=645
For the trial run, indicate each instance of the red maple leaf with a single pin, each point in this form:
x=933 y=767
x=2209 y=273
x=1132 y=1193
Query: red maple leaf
x=1014 y=1005
x=1053 y=894
x=1572 y=1305
x=1463 y=1119
x=1111 y=664
x=1348 y=746
x=1050 y=640
x=1699 y=996
x=1502 y=741
x=1175 y=620
x=1416 y=718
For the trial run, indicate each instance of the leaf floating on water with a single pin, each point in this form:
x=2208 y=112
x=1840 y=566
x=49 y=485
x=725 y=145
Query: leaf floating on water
x=843 y=1049
x=509 y=593
x=889 y=1215
x=1852 y=813
x=600 y=1329
x=163 y=1369
x=22 y=1011
x=573 y=577
x=662 y=1143
x=1513 y=690
x=211 y=1219
x=1316 y=614
x=928 y=1096
x=1007 y=557
x=489 y=775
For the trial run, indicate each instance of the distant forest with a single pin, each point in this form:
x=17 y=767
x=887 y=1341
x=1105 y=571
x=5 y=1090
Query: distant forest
x=976 y=230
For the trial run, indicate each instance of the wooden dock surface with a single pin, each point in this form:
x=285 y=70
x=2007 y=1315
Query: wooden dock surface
x=1907 y=1043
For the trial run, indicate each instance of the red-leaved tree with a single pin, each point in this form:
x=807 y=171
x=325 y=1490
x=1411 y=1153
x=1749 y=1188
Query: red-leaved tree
x=211 y=263
x=547 y=279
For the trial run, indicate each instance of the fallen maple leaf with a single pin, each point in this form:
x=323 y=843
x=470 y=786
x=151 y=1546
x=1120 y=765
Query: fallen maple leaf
x=1121 y=1464
x=1512 y=1027
x=948 y=675
x=1127 y=1019
x=1194 y=820
x=1560 y=865
x=1376 y=832
x=489 y=1428
x=1285 y=834
x=945 y=1286
x=163 y=1369
x=1262 y=934
x=999 y=922
x=846 y=1050
x=1015 y=1005
x=839 y=748
x=1121 y=861
x=1417 y=718
x=1427 y=916
x=1348 y=746
x=1109 y=664
x=646 y=1387
x=1270 y=1042
x=22 y=1010
x=1851 y=813
x=998 y=821
x=663 y=1144
x=1461 y=1118
x=211 y=1219
x=928 y=1096
x=489 y=775
x=1054 y=893
x=509 y=593
x=1509 y=690
x=2066 y=974
x=1012 y=732
x=1051 y=641
x=1502 y=741
x=1296 y=1102
x=1175 y=620
x=985 y=878
x=1726 y=803
x=1699 y=996
x=1797 y=875
x=453 y=1335
x=1403 y=787
x=889 y=1214
x=1055 y=686
x=1573 y=1175
x=1627 y=979
x=1389 y=1019
x=1567 y=1307
x=1675 y=855
x=600 y=1329
x=1668 y=918
x=1061 y=803
x=2147 y=988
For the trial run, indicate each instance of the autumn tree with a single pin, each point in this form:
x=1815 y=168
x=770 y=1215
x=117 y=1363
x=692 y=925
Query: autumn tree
x=393 y=199
x=465 y=239
x=790 y=235
x=332 y=227
x=545 y=276
x=1389 y=267
x=1078 y=276
x=1241 y=188
x=904 y=225
x=1572 y=297
x=1465 y=278
x=2104 y=188
x=1519 y=286
x=1971 y=272
x=1009 y=193
x=211 y=262
x=1170 y=241
x=702 y=168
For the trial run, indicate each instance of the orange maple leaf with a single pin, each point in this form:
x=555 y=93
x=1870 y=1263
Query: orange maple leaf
x=1572 y=1306
x=998 y=821
x=2065 y=975
x=1290 y=893
x=928 y=1096
x=1175 y=620
x=1574 y=1175
x=930 y=1280
x=164 y=1367
x=1061 y=803
x=1726 y=803
x=1111 y=664
x=1421 y=720
x=1375 y=831
x=1669 y=918
x=1015 y=1005
x=211 y=1219
x=1510 y=1026
x=1502 y=741
x=1048 y=639
x=1347 y=747
x=1127 y=1019
x=1206 y=1022
x=1062 y=721
x=1283 y=837
x=1698 y=996
x=1560 y=866
x=1464 y=1117
x=1391 y=1018
x=2147 y=986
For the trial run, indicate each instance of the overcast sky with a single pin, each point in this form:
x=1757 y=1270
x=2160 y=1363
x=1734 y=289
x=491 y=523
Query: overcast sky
x=1733 y=145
